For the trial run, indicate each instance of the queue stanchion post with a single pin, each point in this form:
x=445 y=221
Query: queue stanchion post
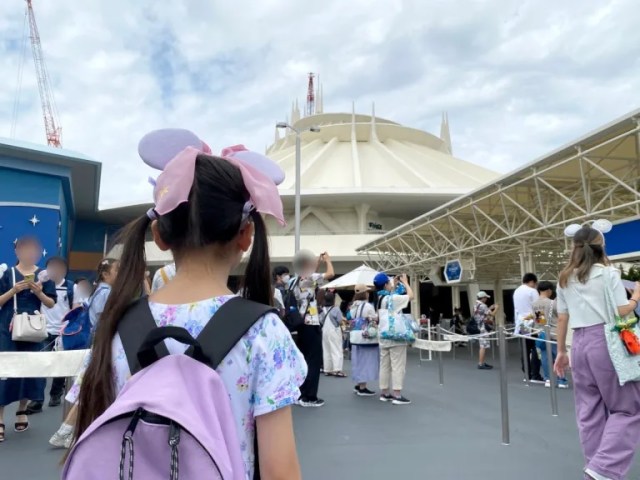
x=504 y=386
x=525 y=360
x=453 y=345
x=493 y=350
x=552 y=373
x=440 y=366
x=470 y=342
x=422 y=333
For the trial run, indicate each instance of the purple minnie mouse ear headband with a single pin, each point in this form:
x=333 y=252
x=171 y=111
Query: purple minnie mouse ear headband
x=174 y=151
x=602 y=226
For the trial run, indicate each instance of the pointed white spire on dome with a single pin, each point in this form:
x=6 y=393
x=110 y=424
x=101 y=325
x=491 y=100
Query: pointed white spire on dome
x=295 y=113
x=445 y=134
x=277 y=136
x=374 y=133
x=287 y=131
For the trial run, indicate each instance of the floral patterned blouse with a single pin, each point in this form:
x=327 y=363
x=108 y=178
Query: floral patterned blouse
x=262 y=373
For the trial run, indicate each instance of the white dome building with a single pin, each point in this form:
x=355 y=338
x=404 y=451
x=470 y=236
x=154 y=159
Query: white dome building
x=361 y=176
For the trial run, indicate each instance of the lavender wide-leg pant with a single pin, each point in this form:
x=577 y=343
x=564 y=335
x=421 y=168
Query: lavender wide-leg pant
x=608 y=415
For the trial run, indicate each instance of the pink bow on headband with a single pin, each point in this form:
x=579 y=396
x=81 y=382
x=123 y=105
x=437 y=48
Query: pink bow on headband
x=175 y=182
x=259 y=174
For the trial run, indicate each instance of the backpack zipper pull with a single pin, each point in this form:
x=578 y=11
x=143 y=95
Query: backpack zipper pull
x=137 y=415
x=127 y=445
x=174 y=441
x=174 y=435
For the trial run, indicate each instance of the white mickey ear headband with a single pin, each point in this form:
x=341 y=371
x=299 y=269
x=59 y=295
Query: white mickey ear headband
x=602 y=226
x=3 y=268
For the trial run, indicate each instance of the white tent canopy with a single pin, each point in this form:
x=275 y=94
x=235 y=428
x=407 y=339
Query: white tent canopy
x=362 y=275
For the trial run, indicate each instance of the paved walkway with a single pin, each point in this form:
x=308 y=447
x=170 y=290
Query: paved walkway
x=448 y=433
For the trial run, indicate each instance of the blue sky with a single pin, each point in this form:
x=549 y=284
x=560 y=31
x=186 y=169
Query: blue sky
x=518 y=78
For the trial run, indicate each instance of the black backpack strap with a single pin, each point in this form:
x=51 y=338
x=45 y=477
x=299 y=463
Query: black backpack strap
x=134 y=328
x=229 y=324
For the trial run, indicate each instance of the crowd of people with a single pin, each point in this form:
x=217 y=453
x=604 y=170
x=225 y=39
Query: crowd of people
x=208 y=213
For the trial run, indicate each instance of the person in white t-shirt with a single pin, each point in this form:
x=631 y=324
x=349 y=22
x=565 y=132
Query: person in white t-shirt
x=56 y=271
x=523 y=300
x=608 y=414
x=304 y=286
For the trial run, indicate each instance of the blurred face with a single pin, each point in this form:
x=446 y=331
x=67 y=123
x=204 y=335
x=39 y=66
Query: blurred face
x=57 y=271
x=311 y=266
x=85 y=288
x=28 y=253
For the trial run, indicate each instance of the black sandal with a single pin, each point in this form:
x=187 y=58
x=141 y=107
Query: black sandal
x=21 y=426
x=2 y=433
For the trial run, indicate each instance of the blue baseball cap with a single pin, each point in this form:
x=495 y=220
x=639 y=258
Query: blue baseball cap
x=380 y=280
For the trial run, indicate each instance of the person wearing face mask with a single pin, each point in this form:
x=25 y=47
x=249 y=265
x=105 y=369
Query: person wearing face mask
x=281 y=278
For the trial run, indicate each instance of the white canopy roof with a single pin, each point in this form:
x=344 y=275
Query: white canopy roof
x=518 y=221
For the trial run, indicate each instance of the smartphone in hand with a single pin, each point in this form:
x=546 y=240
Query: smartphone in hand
x=30 y=277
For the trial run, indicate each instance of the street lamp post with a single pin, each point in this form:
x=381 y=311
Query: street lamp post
x=284 y=125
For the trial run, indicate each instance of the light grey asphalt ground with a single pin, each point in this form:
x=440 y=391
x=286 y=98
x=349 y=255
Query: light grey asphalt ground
x=448 y=433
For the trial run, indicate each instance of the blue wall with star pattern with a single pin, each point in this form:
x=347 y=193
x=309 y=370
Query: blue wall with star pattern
x=33 y=203
x=17 y=221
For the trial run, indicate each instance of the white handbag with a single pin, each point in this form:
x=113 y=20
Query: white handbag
x=25 y=327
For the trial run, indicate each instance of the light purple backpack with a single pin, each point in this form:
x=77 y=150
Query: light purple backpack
x=173 y=418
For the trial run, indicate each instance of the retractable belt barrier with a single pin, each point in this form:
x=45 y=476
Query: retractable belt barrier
x=443 y=342
x=41 y=364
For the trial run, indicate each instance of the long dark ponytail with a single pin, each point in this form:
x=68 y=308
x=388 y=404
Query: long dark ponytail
x=257 y=275
x=97 y=390
x=212 y=215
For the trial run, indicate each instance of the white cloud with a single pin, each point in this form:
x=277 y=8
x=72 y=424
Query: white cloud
x=517 y=78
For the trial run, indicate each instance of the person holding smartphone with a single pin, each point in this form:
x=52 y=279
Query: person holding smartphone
x=393 y=353
x=305 y=286
x=30 y=295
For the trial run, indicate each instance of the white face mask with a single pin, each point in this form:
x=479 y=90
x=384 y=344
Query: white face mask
x=286 y=278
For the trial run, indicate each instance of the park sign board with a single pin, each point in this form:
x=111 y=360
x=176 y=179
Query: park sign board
x=453 y=271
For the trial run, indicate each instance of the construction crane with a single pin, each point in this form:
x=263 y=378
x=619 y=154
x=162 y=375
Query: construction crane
x=49 y=110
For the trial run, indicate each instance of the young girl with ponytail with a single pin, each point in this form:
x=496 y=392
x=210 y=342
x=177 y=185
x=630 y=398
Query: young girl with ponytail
x=208 y=214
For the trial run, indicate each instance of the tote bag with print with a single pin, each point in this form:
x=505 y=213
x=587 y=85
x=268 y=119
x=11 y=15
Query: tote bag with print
x=364 y=331
x=627 y=366
x=394 y=326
